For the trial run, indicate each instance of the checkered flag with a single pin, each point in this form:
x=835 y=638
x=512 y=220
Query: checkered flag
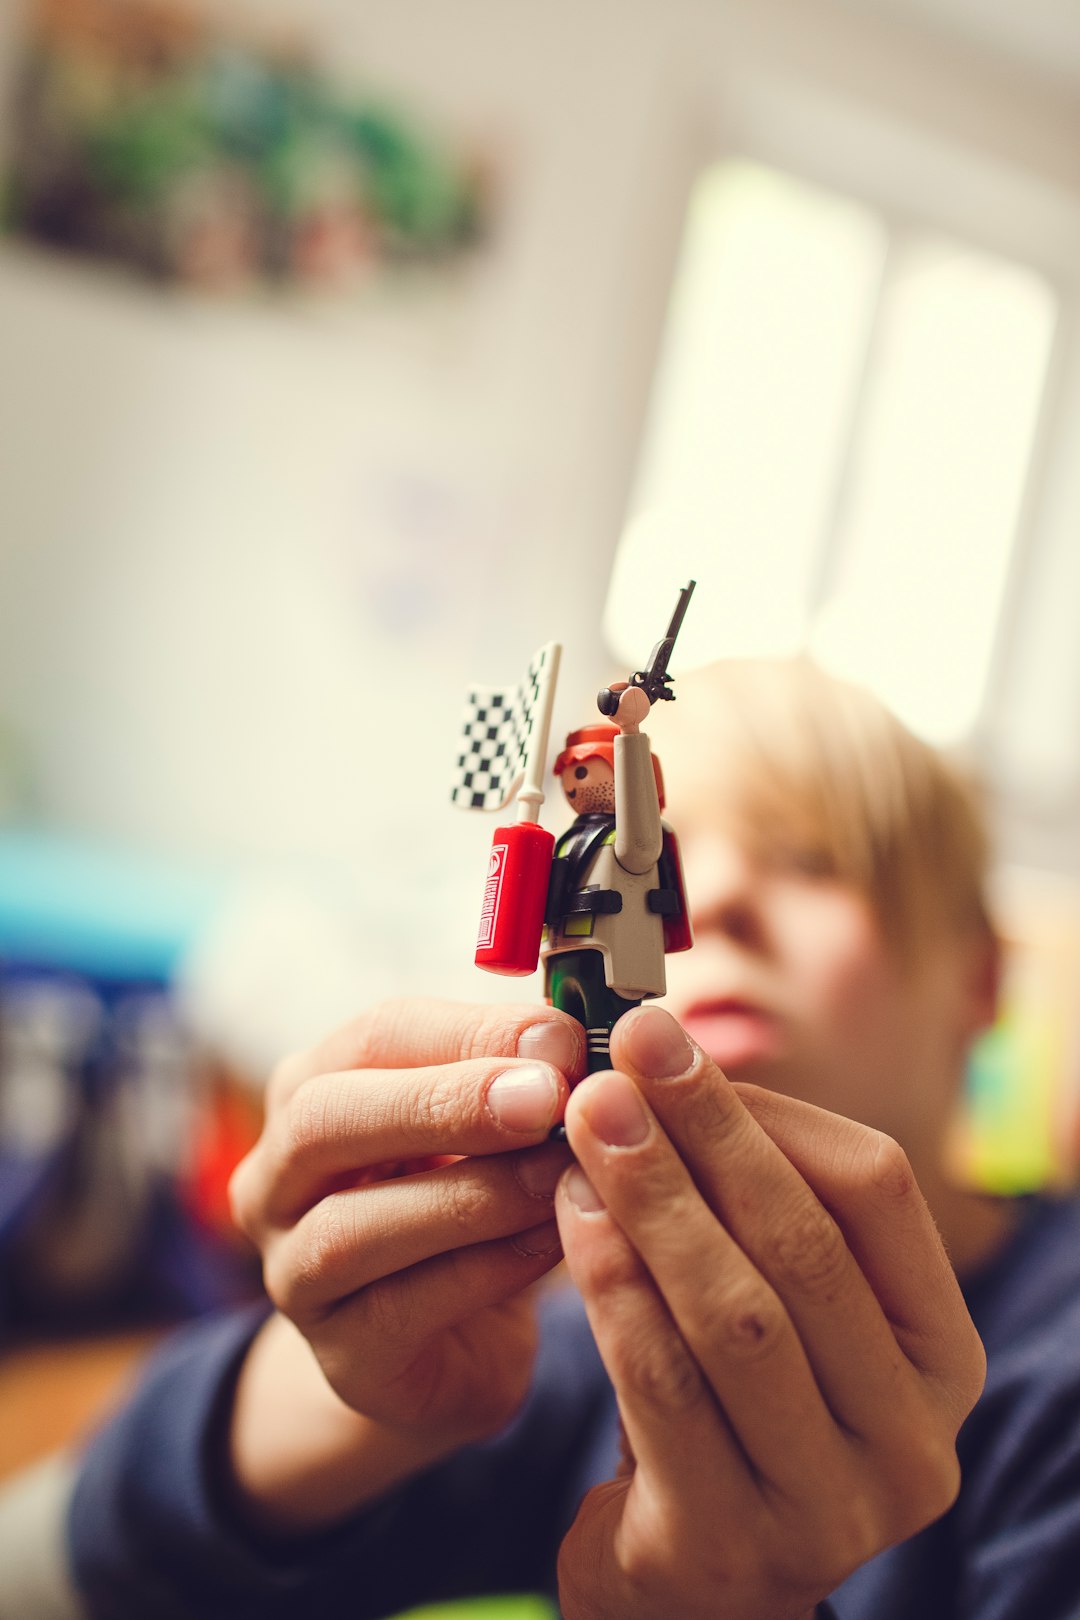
x=502 y=727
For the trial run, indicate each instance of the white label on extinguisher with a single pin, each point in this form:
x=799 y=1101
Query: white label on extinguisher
x=489 y=911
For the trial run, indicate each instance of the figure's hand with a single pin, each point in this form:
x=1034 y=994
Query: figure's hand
x=633 y=706
x=401 y=1195
x=789 y=1347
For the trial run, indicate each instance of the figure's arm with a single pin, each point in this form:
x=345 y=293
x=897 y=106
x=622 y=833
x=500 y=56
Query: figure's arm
x=639 y=836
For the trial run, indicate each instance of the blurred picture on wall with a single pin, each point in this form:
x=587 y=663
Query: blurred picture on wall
x=148 y=134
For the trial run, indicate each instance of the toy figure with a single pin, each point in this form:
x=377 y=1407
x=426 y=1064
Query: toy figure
x=615 y=899
x=605 y=905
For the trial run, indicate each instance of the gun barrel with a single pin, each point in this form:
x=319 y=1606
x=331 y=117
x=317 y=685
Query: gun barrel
x=661 y=653
x=680 y=610
x=654 y=678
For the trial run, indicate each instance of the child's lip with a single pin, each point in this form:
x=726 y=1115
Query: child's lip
x=732 y=1030
x=736 y=1004
x=719 y=1006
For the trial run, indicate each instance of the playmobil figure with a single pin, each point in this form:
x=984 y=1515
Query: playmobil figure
x=603 y=912
x=615 y=897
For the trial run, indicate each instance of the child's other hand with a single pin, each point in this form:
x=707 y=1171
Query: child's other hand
x=788 y=1343
x=401 y=1195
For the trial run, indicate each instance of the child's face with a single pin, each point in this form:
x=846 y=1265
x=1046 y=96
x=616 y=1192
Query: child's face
x=793 y=985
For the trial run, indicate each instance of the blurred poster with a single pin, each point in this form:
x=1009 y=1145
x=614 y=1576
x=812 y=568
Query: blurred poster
x=148 y=134
x=1020 y=1126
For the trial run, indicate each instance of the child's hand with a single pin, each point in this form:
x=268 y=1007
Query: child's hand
x=789 y=1347
x=401 y=1195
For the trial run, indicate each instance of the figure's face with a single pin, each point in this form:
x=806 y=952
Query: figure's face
x=590 y=787
x=792 y=984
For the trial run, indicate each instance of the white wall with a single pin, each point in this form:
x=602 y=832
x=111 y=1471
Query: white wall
x=195 y=498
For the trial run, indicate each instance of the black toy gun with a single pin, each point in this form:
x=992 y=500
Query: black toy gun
x=654 y=680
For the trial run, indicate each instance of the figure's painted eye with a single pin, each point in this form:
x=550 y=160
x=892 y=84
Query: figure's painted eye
x=581 y=772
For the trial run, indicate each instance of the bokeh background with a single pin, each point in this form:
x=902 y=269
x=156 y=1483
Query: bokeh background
x=348 y=352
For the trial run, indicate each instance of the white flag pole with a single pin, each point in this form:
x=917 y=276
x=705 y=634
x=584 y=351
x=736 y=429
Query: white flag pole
x=531 y=794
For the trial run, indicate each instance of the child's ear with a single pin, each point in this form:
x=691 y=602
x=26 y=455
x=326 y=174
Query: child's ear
x=984 y=972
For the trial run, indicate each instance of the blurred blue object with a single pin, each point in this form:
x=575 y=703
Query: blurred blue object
x=98 y=910
x=100 y=1089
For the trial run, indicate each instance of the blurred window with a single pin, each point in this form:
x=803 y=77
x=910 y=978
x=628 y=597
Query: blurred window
x=838 y=444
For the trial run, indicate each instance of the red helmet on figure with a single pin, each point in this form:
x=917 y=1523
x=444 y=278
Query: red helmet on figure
x=597 y=741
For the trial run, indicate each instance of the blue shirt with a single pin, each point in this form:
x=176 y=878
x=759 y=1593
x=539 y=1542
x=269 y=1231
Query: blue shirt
x=151 y=1533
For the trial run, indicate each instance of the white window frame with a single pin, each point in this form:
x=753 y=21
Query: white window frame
x=916 y=179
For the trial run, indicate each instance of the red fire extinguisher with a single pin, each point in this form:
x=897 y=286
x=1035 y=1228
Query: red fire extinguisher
x=515 y=896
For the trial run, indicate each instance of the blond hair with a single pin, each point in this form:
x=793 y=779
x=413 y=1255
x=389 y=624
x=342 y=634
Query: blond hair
x=804 y=766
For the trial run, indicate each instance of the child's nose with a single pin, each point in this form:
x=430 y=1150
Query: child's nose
x=723 y=886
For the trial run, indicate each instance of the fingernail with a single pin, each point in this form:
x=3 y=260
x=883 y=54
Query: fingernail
x=540 y=1240
x=581 y=1192
x=551 y=1043
x=656 y=1046
x=524 y=1099
x=539 y=1171
x=614 y=1112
